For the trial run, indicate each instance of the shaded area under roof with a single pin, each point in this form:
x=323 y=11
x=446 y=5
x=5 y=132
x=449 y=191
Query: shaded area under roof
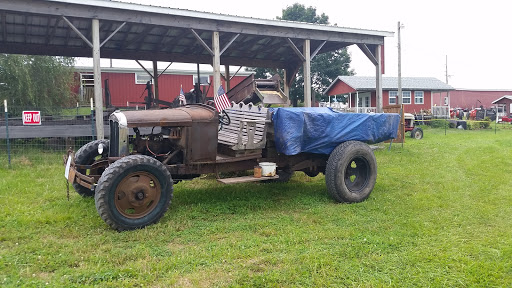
x=164 y=34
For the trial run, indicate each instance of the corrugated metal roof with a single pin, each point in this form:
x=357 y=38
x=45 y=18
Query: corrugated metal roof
x=362 y=83
x=223 y=17
x=153 y=33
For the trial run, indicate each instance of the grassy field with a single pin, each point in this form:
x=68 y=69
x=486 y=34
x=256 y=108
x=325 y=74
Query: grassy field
x=440 y=216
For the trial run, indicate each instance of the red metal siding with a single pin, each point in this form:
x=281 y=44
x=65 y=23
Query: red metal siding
x=472 y=99
x=123 y=88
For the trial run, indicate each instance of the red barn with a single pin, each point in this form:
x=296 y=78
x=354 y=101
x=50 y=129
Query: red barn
x=127 y=85
x=475 y=98
x=419 y=93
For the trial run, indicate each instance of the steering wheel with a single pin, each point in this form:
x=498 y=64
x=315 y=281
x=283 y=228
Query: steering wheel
x=224 y=119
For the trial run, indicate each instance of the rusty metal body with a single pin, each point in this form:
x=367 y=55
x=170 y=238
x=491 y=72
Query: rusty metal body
x=132 y=185
x=185 y=139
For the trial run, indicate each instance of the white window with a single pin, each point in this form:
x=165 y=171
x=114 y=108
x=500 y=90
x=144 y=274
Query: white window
x=142 y=78
x=205 y=80
x=392 y=97
x=406 y=97
x=418 y=97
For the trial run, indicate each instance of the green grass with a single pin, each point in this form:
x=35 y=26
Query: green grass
x=440 y=216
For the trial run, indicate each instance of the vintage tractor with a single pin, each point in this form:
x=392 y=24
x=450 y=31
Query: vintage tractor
x=131 y=175
x=416 y=132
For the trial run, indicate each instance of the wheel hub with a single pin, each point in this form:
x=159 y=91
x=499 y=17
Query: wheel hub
x=137 y=194
x=356 y=174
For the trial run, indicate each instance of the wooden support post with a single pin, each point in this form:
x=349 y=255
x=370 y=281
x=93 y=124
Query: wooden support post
x=98 y=97
x=286 y=88
x=378 y=80
x=155 y=80
x=216 y=62
x=306 y=52
x=228 y=77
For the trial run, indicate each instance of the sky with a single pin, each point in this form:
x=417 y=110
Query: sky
x=470 y=38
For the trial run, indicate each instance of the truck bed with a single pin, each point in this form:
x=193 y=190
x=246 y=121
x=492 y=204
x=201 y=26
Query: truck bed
x=320 y=130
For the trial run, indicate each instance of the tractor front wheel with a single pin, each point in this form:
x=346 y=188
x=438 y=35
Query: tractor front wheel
x=417 y=133
x=134 y=192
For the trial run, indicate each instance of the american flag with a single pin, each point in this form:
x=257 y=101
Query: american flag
x=221 y=100
x=183 y=101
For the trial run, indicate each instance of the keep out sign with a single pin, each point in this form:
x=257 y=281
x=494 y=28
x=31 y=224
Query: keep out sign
x=31 y=117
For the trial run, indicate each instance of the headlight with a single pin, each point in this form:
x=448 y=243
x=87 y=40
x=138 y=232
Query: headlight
x=100 y=149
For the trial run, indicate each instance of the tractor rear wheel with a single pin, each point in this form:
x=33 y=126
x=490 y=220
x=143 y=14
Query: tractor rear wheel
x=134 y=192
x=351 y=172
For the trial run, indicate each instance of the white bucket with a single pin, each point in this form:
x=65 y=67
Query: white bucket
x=268 y=169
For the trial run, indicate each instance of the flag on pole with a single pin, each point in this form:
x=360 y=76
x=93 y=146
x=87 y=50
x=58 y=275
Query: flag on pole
x=183 y=101
x=221 y=100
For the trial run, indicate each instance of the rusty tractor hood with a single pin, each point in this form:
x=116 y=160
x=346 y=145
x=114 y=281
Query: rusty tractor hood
x=182 y=116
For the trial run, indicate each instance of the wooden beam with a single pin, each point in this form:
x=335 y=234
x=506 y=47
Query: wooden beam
x=318 y=49
x=227 y=79
x=296 y=50
x=78 y=32
x=216 y=62
x=126 y=36
x=155 y=79
x=113 y=33
x=229 y=43
x=202 y=42
x=98 y=96
x=378 y=80
x=144 y=68
x=165 y=69
x=368 y=53
x=307 y=73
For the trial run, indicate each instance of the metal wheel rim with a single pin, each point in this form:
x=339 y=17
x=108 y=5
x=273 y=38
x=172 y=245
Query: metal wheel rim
x=417 y=135
x=357 y=173
x=137 y=194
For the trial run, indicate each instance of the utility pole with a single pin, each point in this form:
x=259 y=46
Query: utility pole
x=446 y=68
x=399 y=66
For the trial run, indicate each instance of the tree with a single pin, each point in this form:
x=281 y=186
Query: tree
x=36 y=82
x=325 y=68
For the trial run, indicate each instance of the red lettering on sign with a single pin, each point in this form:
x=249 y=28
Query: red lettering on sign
x=31 y=117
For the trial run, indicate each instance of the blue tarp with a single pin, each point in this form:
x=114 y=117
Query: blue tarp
x=320 y=130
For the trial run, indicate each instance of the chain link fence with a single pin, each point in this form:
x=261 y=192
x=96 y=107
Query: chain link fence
x=30 y=135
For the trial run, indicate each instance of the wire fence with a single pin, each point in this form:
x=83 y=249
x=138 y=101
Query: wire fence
x=31 y=135
x=48 y=138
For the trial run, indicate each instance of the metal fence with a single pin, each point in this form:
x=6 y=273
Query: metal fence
x=45 y=135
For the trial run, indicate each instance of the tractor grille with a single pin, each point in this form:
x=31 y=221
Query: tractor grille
x=114 y=138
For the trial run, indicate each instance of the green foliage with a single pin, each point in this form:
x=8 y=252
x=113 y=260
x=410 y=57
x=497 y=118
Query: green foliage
x=475 y=125
x=325 y=67
x=438 y=123
x=299 y=12
x=36 y=82
x=440 y=215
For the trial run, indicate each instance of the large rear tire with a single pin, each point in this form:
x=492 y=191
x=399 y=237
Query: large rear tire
x=86 y=155
x=134 y=192
x=351 y=172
